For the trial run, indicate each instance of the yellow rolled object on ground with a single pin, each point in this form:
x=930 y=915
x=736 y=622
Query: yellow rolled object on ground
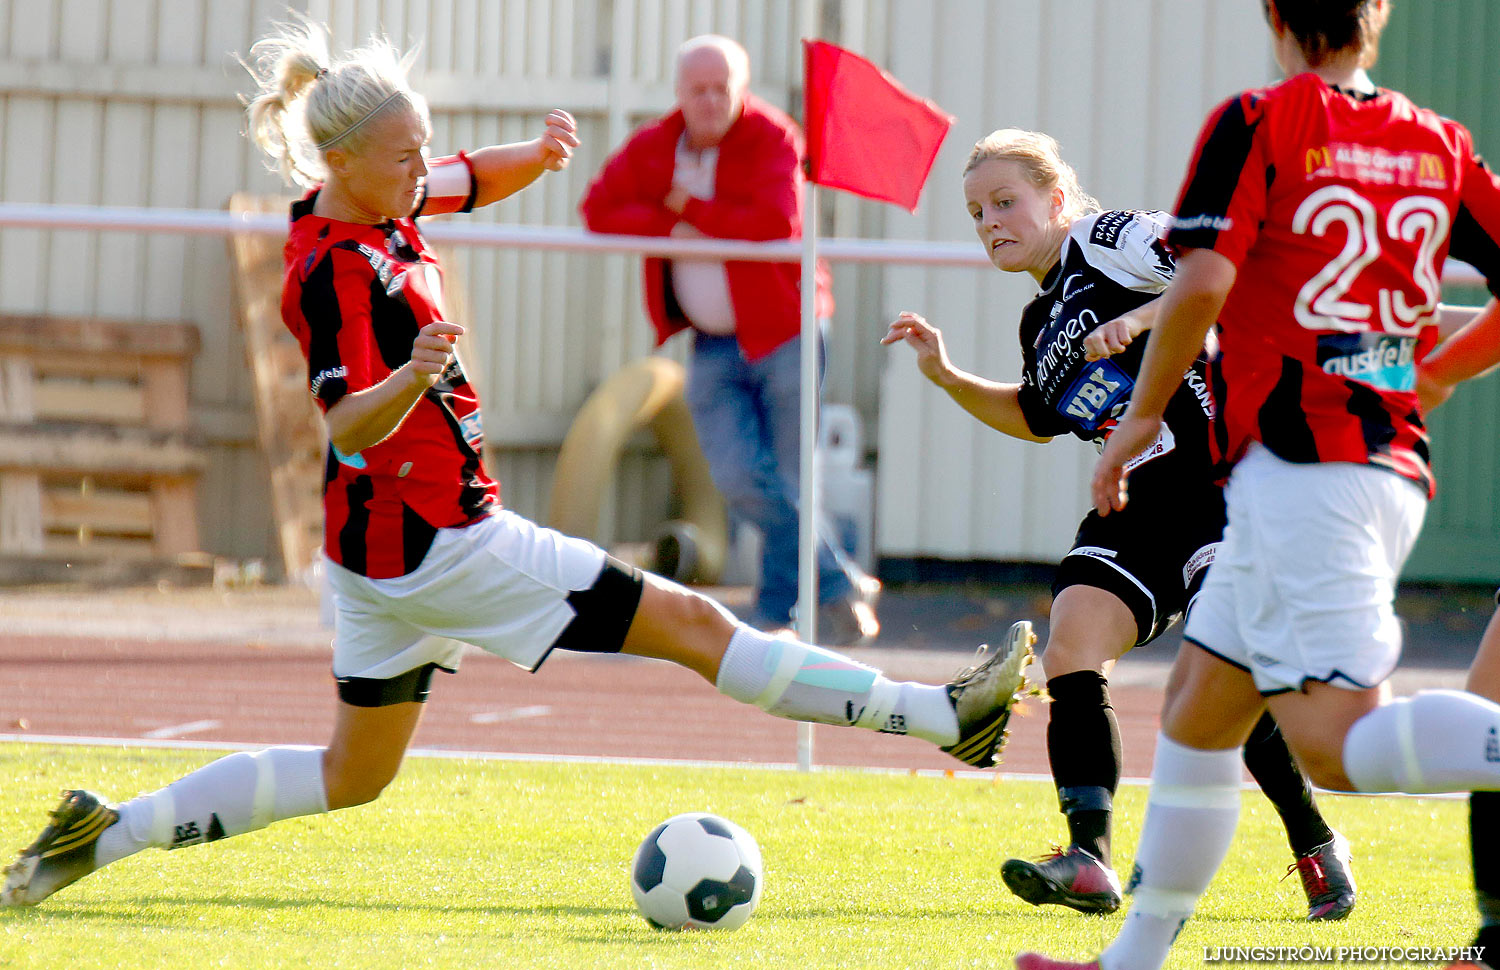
x=647 y=393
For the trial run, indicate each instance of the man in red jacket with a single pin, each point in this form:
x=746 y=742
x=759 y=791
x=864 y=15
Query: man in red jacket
x=728 y=165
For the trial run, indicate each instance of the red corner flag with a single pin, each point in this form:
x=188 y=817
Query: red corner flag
x=865 y=132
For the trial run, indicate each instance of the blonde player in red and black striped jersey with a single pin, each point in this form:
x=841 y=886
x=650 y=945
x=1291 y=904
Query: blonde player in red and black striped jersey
x=418 y=551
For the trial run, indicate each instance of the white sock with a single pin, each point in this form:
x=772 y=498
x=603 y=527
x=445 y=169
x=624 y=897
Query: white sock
x=239 y=793
x=1191 y=813
x=1433 y=741
x=802 y=682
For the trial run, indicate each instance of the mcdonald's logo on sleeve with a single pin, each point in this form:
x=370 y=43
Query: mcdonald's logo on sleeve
x=1318 y=159
x=1431 y=170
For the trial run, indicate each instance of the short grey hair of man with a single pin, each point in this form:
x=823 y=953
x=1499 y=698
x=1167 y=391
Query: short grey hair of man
x=734 y=54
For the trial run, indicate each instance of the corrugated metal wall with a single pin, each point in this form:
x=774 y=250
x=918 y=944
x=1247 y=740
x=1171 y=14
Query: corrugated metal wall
x=1123 y=86
x=134 y=103
x=1420 y=56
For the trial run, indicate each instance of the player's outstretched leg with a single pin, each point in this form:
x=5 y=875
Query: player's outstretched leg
x=984 y=696
x=966 y=717
x=800 y=681
x=63 y=853
x=1321 y=854
x=235 y=794
x=238 y=793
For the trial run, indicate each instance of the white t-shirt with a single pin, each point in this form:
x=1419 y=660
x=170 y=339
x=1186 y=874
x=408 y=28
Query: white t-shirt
x=701 y=285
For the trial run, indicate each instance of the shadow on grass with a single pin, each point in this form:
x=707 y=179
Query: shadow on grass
x=132 y=909
x=158 y=911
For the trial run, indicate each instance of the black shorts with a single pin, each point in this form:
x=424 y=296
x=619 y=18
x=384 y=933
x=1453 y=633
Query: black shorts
x=1154 y=553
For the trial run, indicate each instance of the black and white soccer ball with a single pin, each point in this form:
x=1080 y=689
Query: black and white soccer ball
x=697 y=871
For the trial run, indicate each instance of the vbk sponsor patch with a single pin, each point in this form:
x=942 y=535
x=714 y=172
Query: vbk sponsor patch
x=1095 y=395
x=1385 y=361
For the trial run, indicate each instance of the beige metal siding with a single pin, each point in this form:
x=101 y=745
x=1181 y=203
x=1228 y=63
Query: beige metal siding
x=133 y=102
x=1123 y=85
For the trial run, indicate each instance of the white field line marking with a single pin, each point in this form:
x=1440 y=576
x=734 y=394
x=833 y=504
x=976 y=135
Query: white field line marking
x=574 y=759
x=511 y=714
x=177 y=730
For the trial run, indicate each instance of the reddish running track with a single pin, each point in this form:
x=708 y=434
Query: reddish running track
x=576 y=705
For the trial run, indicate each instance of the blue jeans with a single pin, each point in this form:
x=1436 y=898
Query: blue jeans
x=747 y=414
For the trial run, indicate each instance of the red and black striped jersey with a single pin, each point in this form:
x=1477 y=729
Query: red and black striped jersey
x=1338 y=211
x=355 y=296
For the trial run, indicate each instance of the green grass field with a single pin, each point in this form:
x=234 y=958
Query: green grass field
x=497 y=864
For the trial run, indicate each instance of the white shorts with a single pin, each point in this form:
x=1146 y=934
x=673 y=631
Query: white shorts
x=501 y=584
x=1304 y=582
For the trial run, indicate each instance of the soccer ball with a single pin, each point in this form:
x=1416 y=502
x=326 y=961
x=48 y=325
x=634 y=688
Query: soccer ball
x=696 y=870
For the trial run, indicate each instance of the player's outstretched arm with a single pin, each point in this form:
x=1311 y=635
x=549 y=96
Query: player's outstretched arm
x=997 y=405
x=504 y=170
x=368 y=417
x=1471 y=351
x=1188 y=309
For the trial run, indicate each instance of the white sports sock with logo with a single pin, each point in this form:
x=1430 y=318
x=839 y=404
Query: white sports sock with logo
x=1191 y=813
x=802 y=682
x=1432 y=741
x=238 y=793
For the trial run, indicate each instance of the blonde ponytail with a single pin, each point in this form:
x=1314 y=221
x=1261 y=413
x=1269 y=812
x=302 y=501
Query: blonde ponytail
x=308 y=104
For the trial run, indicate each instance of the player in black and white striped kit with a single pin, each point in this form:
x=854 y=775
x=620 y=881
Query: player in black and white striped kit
x=1130 y=575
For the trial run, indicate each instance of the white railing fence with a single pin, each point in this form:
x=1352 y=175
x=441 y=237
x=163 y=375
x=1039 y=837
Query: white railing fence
x=538 y=238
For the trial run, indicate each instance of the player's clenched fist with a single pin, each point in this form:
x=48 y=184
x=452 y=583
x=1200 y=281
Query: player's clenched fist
x=559 y=140
x=433 y=348
x=1110 y=338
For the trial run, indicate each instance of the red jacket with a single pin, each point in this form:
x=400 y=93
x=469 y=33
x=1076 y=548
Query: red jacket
x=757 y=196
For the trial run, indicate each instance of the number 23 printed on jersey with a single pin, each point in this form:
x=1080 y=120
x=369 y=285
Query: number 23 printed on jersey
x=1324 y=301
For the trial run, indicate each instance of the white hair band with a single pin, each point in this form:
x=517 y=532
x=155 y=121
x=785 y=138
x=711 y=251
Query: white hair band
x=325 y=145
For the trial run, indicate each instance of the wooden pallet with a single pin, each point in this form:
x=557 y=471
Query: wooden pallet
x=97 y=460
x=290 y=428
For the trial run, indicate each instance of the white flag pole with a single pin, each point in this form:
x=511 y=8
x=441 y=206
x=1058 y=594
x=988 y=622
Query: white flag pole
x=807 y=484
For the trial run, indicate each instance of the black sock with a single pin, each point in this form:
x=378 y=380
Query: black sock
x=1083 y=744
x=1484 y=849
x=1271 y=765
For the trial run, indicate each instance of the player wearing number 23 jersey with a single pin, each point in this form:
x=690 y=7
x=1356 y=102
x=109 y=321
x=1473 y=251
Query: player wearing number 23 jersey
x=1342 y=208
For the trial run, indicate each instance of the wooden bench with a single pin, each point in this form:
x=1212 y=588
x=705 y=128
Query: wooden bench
x=97 y=461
